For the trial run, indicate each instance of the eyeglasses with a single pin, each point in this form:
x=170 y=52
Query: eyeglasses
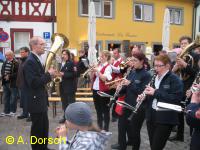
x=158 y=66
x=42 y=44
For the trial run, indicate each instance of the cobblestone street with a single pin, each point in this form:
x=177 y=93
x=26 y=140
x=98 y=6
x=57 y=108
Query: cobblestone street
x=20 y=129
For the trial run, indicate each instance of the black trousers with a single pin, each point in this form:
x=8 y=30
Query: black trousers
x=158 y=134
x=39 y=129
x=67 y=98
x=195 y=144
x=132 y=127
x=102 y=110
x=180 y=131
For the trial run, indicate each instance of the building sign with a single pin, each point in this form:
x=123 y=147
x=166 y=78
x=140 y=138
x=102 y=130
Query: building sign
x=3 y=36
x=5 y=44
x=46 y=35
x=119 y=34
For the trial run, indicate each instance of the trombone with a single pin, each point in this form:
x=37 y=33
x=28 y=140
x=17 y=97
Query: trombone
x=87 y=71
x=112 y=82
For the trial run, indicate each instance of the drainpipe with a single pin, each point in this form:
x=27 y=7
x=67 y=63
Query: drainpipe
x=52 y=14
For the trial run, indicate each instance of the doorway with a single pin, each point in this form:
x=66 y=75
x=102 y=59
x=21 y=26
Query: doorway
x=157 y=48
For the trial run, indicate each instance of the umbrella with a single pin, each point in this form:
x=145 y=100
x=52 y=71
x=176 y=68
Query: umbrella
x=92 y=35
x=166 y=30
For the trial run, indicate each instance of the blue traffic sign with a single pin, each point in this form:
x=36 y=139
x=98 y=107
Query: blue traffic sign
x=3 y=36
x=46 y=35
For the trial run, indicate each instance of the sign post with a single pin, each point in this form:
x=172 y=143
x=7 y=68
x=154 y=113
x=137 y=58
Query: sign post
x=3 y=36
x=46 y=35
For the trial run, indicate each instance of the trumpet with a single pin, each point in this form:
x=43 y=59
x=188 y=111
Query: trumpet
x=124 y=64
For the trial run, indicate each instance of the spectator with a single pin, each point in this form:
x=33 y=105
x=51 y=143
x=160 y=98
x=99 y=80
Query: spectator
x=24 y=52
x=79 y=117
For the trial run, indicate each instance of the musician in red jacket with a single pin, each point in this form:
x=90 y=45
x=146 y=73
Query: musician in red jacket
x=116 y=74
x=101 y=74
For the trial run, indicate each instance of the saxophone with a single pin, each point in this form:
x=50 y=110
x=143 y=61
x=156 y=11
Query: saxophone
x=59 y=41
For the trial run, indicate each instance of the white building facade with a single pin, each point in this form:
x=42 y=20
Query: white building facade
x=23 y=19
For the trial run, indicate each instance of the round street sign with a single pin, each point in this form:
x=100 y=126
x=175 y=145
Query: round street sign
x=3 y=36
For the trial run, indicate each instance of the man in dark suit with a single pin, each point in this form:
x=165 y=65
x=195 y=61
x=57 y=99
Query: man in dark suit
x=35 y=80
x=68 y=84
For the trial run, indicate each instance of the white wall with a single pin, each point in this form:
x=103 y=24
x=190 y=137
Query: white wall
x=38 y=28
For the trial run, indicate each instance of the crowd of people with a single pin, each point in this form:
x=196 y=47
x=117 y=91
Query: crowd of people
x=130 y=88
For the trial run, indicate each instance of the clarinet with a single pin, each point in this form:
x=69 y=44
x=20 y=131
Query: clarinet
x=114 y=98
x=192 y=88
x=139 y=101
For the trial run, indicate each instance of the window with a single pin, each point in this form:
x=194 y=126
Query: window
x=138 y=12
x=84 y=8
x=20 y=38
x=143 y=12
x=108 y=8
x=199 y=24
x=176 y=15
x=103 y=8
x=97 y=5
x=85 y=46
x=110 y=45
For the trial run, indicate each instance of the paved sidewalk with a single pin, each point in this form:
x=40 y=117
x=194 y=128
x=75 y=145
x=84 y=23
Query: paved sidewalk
x=20 y=129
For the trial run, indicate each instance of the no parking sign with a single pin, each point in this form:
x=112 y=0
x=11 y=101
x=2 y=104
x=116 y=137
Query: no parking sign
x=3 y=36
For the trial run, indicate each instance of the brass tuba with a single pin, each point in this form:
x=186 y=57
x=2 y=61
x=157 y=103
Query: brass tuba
x=59 y=41
x=185 y=55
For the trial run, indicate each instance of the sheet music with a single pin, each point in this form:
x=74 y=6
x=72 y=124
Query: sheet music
x=167 y=106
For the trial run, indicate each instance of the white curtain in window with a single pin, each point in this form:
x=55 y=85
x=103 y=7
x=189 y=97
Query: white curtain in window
x=21 y=39
x=171 y=15
x=177 y=16
x=148 y=13
x=97 y=6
